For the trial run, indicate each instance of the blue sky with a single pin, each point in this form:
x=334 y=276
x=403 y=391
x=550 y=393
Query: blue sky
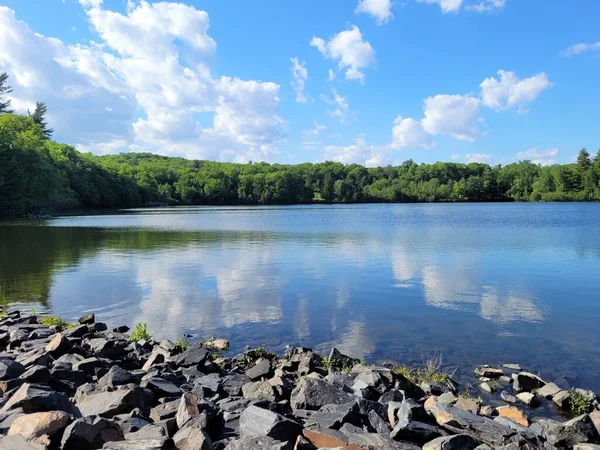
x=432 y=80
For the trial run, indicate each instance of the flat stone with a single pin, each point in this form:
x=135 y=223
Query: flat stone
x=37 y=397
x=467 y=404
x=487 y=388
x=586 y=447
x=109 y=404
x=220 y=345
x=256 y=421
x=488 y=372
x=377 y=423
x=156 y=357
x=456 y=442
x=415 y=431
x=508 y=398
x=595 y=416
x=259 y=390
x=18 y=442
x=313 y=394
x=87 y=319
x=35 y=425
x=213 y=382
x=257 y=443
x=187 y=409
x=575 y=431
x=562 y=400
x=512 y=366
x=334 y=416
x=527 y=382
x=195 y=355
x=164 y=411
x=117 y=376
x=262 y=369
x=36 y=374
x=161 y=387
x=548 y=391
x=528 y=398
x=90 y=433
x=191 y=438
x=514 y=414
x=231 y=384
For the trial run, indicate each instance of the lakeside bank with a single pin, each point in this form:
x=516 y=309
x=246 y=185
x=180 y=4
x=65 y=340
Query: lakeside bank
x=83 y=386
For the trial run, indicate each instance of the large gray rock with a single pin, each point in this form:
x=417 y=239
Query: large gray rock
x=58 y=346
x=36 y=374
x=161 y=387
x=10 y=369
x=338 y=360
x=256 y=421
x=231 y=384
x=527 y=382
x=456 y=442
x=575 y=431
x=262 y=369
x=117 y=377
x=90 y=433
x=37 y=397
x=164 y=411
x=415 y=431
x=259 y=390
x=549 y=390
x=334 y=416
x=18 y=442
x=109 y=404
x=187 y=409
x=312 y=394
x=192 y=438
x=35 y=425
x=195 y=355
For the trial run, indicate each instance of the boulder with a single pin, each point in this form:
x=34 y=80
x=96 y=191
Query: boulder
x=456 y=442
x=187 y=409
x=334 y=416
x=529 y=399
x=212 y=382
x=90 y=433
x=259 y=390
x=488 y=372
x=37 y=397
x=575 y=431
x=195 y=355
x=164 y=411
x=35 y=425
x=191 y=438
x=338 y=360
x=151 y=431
x=548 y=391
x=58 y=346
x=514 y=414
x=508 y=398
x=377 y=423
x=256 y=421
x=116 y=377
x=562 y=399
x=87 y=319
x=527 y=382
x=10 y=369
x=109 y=404
x=18 y=442
x=467 y=404
x=312 y=394
x=415 y=431
x=262 y=369
x=36 y=374
x=161 y=387
x=231 y=384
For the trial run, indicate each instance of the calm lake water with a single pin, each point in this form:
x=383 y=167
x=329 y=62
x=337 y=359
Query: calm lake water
x=480 y=283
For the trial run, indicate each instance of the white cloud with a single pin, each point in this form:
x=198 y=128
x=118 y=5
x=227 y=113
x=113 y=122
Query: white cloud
x=317 y=129
x=542 y=157
x=486 y=5
x=473 y=157
x=577 y=49
x=342 y=108
x=509 y=90
x=453 y=115
x=350 y=51
x=381 y=10
x=330 y=75
x=146 y=82
x=360 y=152
x=299 y=77
x=408 y=133
x=446 y=5
x=90 y=3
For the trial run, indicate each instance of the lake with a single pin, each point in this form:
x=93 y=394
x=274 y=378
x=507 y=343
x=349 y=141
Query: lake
x=478 y=283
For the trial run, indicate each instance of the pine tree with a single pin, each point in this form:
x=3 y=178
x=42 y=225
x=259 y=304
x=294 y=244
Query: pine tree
x=39 y=117
x=583 y=160
x=4 y=89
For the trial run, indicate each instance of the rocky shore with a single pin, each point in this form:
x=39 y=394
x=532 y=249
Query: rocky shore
x=82 y=386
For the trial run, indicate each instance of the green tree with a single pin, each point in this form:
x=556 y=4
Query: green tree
x=4 y=90
x=39 y=117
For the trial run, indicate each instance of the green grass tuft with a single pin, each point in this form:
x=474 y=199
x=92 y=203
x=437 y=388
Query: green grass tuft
x=182 y=343
x=58 y=322
x=140 y=333
x=580 y=403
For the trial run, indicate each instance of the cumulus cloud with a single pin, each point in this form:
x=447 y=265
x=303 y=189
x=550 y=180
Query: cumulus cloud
x=446 y=5
x=454 y=6
x=408 y=133
x=359 y=152
x=577 y=49
x=330 y=75
x=509 y=90
x=342 y=107
x=473 y=158
x=453 y=115
x=350 y=50
x=144 y=85
x=299 y=77
x=486 y=5
x=542 y=157
x=381 y=10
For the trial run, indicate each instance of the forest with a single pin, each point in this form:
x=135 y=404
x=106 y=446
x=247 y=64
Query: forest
x=39 y=175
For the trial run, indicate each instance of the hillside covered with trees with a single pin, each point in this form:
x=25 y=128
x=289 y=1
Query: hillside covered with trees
x=37 y=173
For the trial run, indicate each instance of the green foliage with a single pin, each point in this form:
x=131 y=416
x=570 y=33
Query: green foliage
x=253 y=355
x=182 y=343
x=580 y=402
x=4 y=90
x=33 y=312
x=58 y=322
x=140 y=333
x=39 y=118
x=467 y=395
x=429 y=373
x=345 y=365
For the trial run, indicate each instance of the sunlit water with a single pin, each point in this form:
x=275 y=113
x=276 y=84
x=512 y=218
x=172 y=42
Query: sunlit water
x=480 y=283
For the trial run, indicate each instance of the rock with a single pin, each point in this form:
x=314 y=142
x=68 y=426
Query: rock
x=161 y=387
x=415 y=431
x=156 y=357
x=164 y=411
x=487 y=388
x=220 y=345
x=191 y=438
x=90 y=433
x=88 y=365
x=257 y=443
x=259 y=390
x=527 y=382
x=164 y=443
x=508 y=398
x=487 y=411
x=116 y=377
x=323 y=438
x=529 y=399
x=87 y=319
x=548 y=391
x=10 y=369
x=447 y=398
x=195 y=355
x=187 y=409
x=213 y=382
x=575 y=431
x=456 y=442
x=261 y=369
x=18 y=442
x=37 y=397
x=562 y=399
x=121 y=329
x=488 y=372
x=232 y=384
x=467 y=404
x=514 y=414
x=334 y=416
x=339 y=361
x=109 y=404
x=36 y=374
x=512 y=366
x=312 y=394
x=256 y=421
x=586 y=447
x=392 y=412
x=151 y=431
x=595 y=416
x=393 y=395
x=377 y=423
x=35 y=425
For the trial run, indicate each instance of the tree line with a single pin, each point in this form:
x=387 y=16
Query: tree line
x=37 y=173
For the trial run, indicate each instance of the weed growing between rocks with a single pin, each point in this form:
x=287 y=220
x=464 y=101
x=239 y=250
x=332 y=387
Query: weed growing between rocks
x=58 y=322
x=182 y=343
x=580 y=402
x=140 y=333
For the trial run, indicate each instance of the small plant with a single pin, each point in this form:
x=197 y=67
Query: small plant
x=182 y=343
x=253 y=355
x=140 y=333
x=467 y=395
x=580 y=402
x=33 y=312
x=58 y=322
x=327 y=363
x=429 y=373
